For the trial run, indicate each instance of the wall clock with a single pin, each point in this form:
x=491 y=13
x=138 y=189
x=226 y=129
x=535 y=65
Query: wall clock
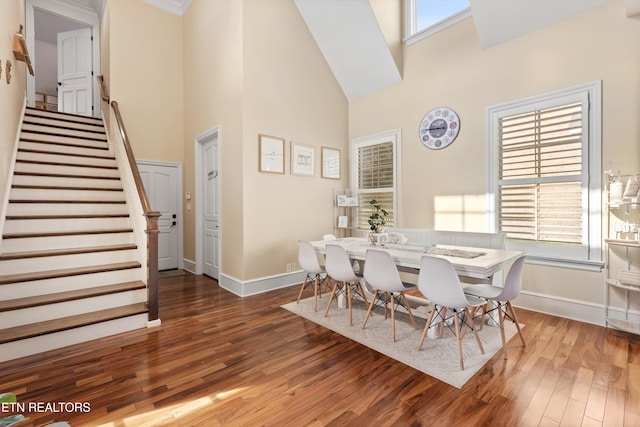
x=439 y=128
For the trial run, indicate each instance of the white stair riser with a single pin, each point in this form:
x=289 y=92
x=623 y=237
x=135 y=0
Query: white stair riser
x=68 y=224
x=64 y=158
x=63 y=149
x=45 y=194
x=66 y=182
x=62 y=140
x=30 y=315
x=66 y=209
x=67 y=124
x=32 y=265
x=67 y=170
x=65 y=242
x=61 y=118
x=35 y=345
x=70 y=283
x=63 y=132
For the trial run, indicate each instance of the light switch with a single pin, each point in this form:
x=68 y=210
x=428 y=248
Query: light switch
x=188 y=195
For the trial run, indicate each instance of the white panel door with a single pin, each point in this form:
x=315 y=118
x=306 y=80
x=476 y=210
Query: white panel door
x=210 y=208
x=75 y=83
x=161 y=184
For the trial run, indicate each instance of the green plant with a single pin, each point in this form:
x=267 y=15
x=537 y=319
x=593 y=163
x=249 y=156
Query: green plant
x=377 y=218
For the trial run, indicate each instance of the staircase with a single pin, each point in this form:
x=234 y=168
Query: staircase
x=70 y=269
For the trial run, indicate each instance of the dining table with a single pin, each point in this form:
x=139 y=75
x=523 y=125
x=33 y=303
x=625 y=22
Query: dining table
x=471 y=262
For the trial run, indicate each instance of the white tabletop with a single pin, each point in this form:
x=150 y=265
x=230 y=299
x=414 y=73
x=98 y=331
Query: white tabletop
x=480 y=263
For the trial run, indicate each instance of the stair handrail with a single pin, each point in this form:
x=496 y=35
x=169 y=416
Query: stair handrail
x=103 y=89
x=152 y=216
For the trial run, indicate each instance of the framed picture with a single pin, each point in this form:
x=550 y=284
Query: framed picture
x=271 y=154
x=330 y=163
x=303 y=158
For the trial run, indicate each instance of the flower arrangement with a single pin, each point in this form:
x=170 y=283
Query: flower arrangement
x=377 y=218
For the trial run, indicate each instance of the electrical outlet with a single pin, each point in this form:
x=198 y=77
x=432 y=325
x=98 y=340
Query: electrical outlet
x=288 y=268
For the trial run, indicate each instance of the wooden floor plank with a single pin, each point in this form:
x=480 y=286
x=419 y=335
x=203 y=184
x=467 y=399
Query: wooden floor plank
x=221 y=360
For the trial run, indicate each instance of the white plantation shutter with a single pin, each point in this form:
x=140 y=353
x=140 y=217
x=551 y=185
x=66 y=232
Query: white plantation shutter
x=373 y=176
x=540 y=175
x=545 y=175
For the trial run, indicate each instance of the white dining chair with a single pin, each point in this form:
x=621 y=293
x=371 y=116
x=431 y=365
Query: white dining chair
x=439 y=283
x=381 y=274
x=316 y=273
x=499 y=298
x=339 y=268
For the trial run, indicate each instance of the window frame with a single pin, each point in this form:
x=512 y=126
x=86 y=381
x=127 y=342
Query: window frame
x=412 y=35
x=589 y=255
x=395 y=137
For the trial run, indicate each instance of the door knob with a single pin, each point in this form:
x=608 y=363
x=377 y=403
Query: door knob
x=173 y=223
x=59 y=83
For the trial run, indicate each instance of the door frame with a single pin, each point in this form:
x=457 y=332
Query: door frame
x=200 y=140
x=70 y=11
x=178 y=167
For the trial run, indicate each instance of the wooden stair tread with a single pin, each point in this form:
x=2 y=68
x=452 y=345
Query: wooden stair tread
x=71 y=251
x=71 y=322
x=66 y=233
x=61 y=153
x=75 y=165
x=62 y=187
x=40 y=300
x=64 y=175
x=65 y=144
x=66 y=272
x=62 y=135
x=60 y=126
x=78 y=216
x=91 y=202
x=59 y=115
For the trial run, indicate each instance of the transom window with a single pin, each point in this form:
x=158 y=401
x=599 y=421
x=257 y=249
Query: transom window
x=545 y=174
x=425 y=17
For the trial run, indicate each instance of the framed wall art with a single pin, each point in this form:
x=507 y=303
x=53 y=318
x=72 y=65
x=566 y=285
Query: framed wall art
x=303 y=158
x=271 y=154
x=330 y=163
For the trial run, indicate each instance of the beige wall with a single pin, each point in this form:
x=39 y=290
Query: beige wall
x=213 y=97
x=11 y=95
x=450 y=69
x=252 y=67
x=146 y=75
x=289 y=92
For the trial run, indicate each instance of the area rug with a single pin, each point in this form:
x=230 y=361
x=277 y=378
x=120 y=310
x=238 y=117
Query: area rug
x=438 y=357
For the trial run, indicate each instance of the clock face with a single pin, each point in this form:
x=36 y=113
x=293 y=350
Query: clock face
x=439 y=128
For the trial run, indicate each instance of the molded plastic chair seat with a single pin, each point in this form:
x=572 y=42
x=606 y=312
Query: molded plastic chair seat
x=316 y=273
x=501 y=297
x=340 y=270
x=439 y=283
x=381 y=274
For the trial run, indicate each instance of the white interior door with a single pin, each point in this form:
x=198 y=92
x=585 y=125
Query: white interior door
x=163 y=190
x=210 y=206
x=75 y=81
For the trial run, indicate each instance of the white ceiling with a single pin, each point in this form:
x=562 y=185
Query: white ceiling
x=351 y=41
x=47 y=26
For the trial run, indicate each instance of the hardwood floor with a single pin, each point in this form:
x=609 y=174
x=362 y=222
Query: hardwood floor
x=218 y=359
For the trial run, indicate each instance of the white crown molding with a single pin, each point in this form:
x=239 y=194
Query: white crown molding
x=177 y=7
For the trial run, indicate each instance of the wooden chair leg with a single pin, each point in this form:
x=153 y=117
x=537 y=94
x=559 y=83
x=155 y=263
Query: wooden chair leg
x=515 y=319
x=364 y=296
x=504 y=340
x=348 y=285
x=393 y=318
x=456 y=322
x=426 y=327
x=304 y=285
x=315 y=294
x=443 y=316
x=373 y=300
x=406 y=304
x=475 y=332
x=333 y=294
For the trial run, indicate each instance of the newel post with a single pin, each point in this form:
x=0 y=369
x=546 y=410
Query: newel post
x=152 y=263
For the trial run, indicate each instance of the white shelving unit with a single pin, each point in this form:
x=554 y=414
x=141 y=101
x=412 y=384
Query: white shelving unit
x=622 y=252
x=346 y=211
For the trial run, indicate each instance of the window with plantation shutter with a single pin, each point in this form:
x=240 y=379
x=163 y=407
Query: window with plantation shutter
x=544 y=167
x=374 y=167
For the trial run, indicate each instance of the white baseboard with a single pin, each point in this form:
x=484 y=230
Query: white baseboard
x=261 y=285
x=189 y=265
